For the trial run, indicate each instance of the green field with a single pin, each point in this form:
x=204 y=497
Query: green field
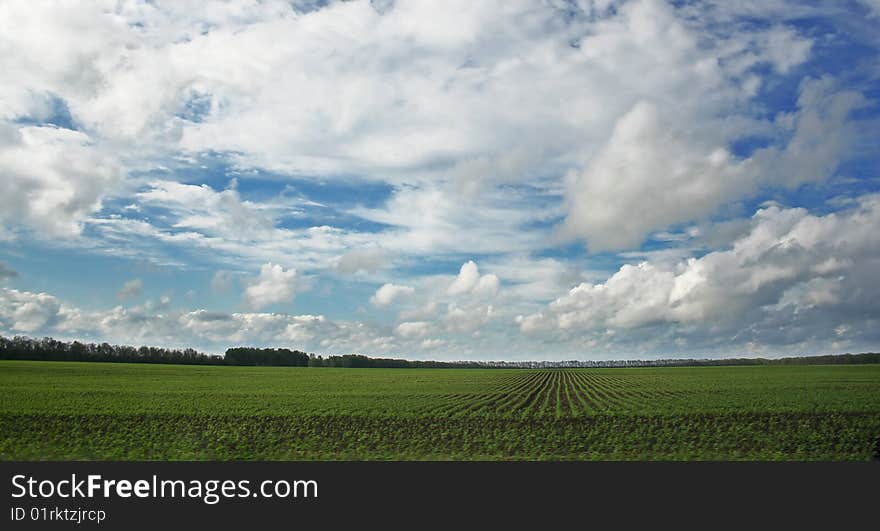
x=59 y=410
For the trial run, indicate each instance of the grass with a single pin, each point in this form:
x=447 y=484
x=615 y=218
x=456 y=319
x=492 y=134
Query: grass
x=58 y=410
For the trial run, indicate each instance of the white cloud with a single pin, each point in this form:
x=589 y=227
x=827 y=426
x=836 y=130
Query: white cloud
x=274 y=285
x=786 y=49
x=487 y=286
x=433 y=219
x=26 y=311
x=388 y=293
x=532 y=323
x=53 y=179
x=426 y=312
x=657 y=170
x=469 y=318
x=433 y=344
x=367 y=260
x=538 y=279
x=649 y=176
x=469 y=281
x=156 y=324
x=411 y=329
x=132 y=288
x=312 y=248
x=202 y=209
x=788 y=259
x=820 y=134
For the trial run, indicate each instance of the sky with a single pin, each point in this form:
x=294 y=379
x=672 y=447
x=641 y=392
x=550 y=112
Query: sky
x=516 y=180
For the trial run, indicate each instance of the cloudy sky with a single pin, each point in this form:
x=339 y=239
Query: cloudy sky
x=547 y=179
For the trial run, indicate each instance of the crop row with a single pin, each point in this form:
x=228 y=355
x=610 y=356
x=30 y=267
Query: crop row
x=555 y=393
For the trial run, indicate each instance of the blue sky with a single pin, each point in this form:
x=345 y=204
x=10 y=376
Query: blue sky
x=444 y=181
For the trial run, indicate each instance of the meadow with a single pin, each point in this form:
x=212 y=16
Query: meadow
x=119 y=411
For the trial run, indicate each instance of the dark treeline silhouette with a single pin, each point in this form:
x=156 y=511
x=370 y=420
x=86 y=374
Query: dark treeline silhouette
x=266 y=356
x=48 y=349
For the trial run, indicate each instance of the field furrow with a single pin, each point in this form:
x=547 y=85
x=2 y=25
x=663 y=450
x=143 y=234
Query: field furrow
x=531 y=401
x=586 y=406
x=567 y=394
x=585 y=393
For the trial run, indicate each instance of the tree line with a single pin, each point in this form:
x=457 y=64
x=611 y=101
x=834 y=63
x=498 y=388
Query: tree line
x=48 y=349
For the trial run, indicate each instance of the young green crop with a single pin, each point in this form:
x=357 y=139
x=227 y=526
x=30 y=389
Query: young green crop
x=56 y=410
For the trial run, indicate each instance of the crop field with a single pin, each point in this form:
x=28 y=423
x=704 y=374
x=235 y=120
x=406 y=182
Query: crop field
x=116 y=411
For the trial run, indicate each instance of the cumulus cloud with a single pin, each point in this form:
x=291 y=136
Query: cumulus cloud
x=467 y=278
x=154 y=323
x=789 y=263
x=657 y=170
x=469 y=281
x=54 y=178
x=25 y=311
x=388 y=293
x=487 y=286
x=273 y=285
x=648 y=176
x=132 y=288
